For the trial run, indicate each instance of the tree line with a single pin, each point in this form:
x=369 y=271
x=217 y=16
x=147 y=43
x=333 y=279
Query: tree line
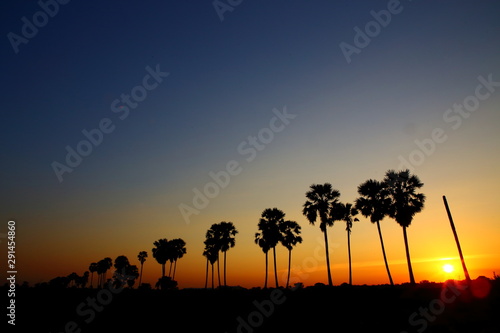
x=395 y=196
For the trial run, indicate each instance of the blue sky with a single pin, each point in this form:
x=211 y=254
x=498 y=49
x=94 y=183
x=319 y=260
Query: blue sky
x=225 y=78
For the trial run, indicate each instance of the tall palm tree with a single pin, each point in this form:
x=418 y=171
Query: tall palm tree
x=227 y=240
x=269 y=223
x=178 y=247
x=405 y=203
x=142 y=258
x=212 y=241
x=161 y=253
x=211 y=252
x=102 y=267
x=374 y=202
x=348 y=212
x=321 y=200
x=290 y=231
x=261 y=241
x=92 y=269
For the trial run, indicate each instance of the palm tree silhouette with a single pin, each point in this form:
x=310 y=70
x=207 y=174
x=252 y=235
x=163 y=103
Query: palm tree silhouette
x=348 y=212
x=142 y=258
x=211 y=252
x=374 y=203
x=405 y=203
x=261 y=241
x=178 y=248
x=290 y=231
x=92 y=269
x=212 y=242
x=102 y=267
x=271 y=218
x=161 y=253
x=321 y=200
x=227 y=240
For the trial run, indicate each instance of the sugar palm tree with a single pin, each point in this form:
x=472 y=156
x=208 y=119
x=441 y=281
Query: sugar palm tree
x=212 y=254
x=178 y=247
x=92 y=269
x=269 y=223
x=290 y=231
x=212 y=241
x=320 y=200
x=374 y=203
x=405 y=203
x=261 y=241
x=348 y=212
x=102 y=267
x=161 y=253
x=142 y=258
x=227 y=240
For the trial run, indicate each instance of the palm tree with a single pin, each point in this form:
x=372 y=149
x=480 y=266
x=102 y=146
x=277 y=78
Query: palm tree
x=92 y=269
x=227 y=240
x=269 y=227
x=374 y=203
x=178 y=247
x=405 y=203
x=261 y=241
x=321 y=200
x=161 y=253
x=212 y=254
x=212 y=241
x=102 y=267
x=290 y=231
x=348 y=212
x=142 y=258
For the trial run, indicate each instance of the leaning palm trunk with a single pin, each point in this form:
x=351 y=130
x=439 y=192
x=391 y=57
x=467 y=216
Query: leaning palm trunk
x=175 y=266
x=275 y=270
x=383 y=252
x=330 y=283
x=410 y=270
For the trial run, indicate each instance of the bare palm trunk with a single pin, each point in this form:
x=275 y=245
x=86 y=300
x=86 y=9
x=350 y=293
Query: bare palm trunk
x=410 y=270
x=330 y=283
x=218 y=270
x=225 y=268
x=170 y=269
x=349 y=251
x=289 y=266
x=162 y=270
x=275 y=270
x=175 y=266
x=140 y=276
x=267 y=265
x=383 y=252
x=212 y=275
x=206 y=276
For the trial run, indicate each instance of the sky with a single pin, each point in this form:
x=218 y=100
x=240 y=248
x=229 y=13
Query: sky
x=116 y=116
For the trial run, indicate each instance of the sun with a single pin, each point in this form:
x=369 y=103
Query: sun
x=448 y=268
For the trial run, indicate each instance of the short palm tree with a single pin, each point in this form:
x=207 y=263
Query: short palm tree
x=405 y=203
x=374 y=202
x=269 y=223
x=290 y=231
x=348 y=213
x=161 y=253
x=321 y=198
x=92 y=269
x=142 y=258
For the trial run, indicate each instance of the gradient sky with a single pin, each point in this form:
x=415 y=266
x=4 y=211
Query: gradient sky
x=353 y=122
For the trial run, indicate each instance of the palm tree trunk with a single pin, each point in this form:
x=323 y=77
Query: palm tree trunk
x=91 y=279
x=140 y=276
x=225 y=268
x=206 y=276
x=170 y=269
x=349 y=251
x=175 y=266
x=410 y=270
x=162 y=270
x=383 y=252
x=212 y=275
x=275 y=270
x=289 y=265
x=218 y=270
x=330 y=283
x=267 y=265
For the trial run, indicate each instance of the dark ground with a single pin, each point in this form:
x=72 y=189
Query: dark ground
x=336 y=309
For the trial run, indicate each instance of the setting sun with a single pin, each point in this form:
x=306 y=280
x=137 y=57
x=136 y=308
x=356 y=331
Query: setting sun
x=448 y=268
